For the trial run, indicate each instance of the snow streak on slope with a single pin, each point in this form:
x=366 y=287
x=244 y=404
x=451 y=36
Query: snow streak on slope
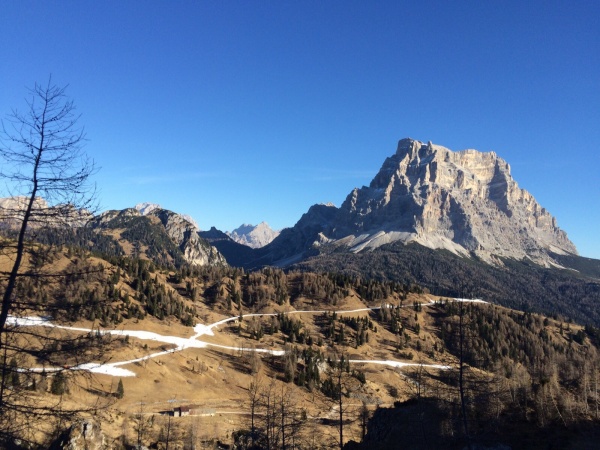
x=181 y=343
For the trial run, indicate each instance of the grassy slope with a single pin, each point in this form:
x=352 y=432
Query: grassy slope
x=215 y=379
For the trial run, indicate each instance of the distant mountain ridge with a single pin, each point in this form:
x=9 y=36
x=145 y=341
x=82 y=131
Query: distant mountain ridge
x=254 y=236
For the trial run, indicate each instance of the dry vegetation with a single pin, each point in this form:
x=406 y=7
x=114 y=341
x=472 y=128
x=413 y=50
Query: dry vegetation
x=520 y=367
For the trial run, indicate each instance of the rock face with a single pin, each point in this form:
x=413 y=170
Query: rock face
x=237 y=255
x=146 y=208
x=179 y=231
x=464 y=201
x=12 y=212
x=82 y=435
x=296 y=243
x=184 y=234
x=254 y=236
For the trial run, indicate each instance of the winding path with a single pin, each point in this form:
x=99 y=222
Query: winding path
x=115 y=369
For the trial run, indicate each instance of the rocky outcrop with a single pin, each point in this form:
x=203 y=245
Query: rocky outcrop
x=146 y=208
x=254 y=236
x=158 y=226
x=12 y=212
x=82 y=435
x=184 y=234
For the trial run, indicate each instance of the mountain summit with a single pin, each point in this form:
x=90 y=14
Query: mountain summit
x=465 y=201
x=254 y=236
x=159 y=234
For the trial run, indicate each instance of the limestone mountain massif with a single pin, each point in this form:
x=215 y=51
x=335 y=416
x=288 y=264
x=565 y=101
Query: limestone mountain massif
x=466 y=202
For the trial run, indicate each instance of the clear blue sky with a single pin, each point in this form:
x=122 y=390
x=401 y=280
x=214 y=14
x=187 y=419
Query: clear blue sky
x=244 y=111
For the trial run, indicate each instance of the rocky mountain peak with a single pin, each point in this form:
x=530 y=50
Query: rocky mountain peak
x=150 y=225
x=465 y=201
x=184 y=233
x=146 y=208
x=254 y=236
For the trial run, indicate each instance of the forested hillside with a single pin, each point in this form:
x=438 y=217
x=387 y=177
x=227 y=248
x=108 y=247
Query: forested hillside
x=522 y=373
x=522 y=285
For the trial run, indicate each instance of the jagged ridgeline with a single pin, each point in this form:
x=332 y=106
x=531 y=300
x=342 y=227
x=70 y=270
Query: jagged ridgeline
x=465 y=202
x=164 y=237
x=361 y=291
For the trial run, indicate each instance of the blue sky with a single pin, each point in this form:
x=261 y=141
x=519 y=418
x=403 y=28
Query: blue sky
x=244 y=111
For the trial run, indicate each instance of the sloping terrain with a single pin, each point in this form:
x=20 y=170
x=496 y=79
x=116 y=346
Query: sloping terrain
x=522 y=285
x=281 y=332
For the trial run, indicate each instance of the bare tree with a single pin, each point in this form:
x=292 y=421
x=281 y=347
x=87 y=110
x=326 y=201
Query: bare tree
x=270 y=417
x=142 y=424
x=292 y=419
x=45 y=176
x=254 y=397
x=341 y=385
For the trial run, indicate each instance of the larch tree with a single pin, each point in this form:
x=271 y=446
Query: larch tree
x=45 y=182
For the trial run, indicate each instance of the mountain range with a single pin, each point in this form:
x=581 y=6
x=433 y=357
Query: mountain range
x=465 y=202
x=394 y=280
x=456 y=223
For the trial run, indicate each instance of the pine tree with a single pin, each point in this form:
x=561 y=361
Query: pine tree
x=120 y=389
x=59 y=384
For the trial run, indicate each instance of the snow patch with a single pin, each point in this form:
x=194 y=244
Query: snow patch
x=398 y=364
x=146 y=208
